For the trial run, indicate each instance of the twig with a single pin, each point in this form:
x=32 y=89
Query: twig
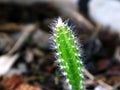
x=72 y=14
x=86 y=72
x=6 y=36
x=10 y=27
x=117 y=85
x=27 y=30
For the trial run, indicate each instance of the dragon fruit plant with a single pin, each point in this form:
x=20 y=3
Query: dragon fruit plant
x=68 y=55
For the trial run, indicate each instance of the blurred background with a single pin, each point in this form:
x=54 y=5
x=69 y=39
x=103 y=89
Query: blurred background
x=27 y=60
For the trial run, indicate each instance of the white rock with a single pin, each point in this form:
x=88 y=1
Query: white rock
x=100 y=88
x=106 y=13
x=13 y=71
x=22 y=67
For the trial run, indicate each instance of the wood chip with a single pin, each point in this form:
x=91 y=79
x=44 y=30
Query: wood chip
x=13 y=82
x=27 y=87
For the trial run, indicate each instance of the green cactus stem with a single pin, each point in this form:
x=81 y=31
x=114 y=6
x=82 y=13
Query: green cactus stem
x=68 y=55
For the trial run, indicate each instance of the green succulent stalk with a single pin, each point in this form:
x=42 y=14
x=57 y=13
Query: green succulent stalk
x=68 y=55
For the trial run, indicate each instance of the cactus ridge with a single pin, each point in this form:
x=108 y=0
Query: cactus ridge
x=68 y=55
